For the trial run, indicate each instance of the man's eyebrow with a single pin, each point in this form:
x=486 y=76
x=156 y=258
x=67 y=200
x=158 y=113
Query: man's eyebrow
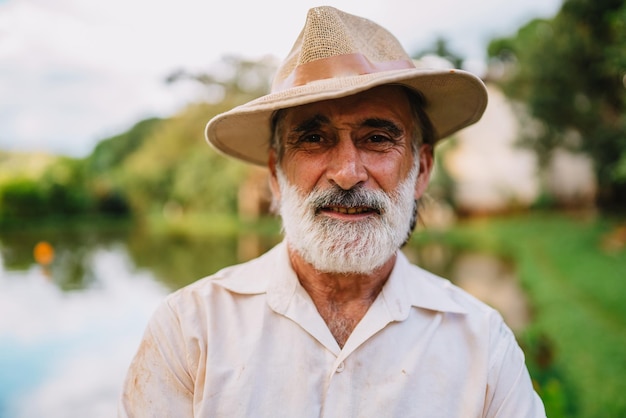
x=312 y=123
x=385 y=124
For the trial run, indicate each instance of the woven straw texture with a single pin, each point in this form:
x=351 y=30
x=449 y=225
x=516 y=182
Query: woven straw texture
x=329 y=32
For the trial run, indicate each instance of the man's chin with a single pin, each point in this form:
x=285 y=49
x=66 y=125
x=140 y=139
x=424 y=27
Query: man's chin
x=344 y=261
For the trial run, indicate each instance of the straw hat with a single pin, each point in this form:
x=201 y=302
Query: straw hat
x=336 y=55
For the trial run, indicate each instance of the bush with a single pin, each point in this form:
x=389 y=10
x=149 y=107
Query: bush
x=22 y=198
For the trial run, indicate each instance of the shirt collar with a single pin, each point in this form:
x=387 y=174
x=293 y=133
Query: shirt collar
x=254 y=277
x=411 y=286
x=408 y=285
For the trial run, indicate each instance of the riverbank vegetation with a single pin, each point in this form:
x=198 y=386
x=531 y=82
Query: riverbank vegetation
x=574 y=270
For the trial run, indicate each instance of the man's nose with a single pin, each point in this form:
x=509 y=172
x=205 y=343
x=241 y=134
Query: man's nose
x=346 y=168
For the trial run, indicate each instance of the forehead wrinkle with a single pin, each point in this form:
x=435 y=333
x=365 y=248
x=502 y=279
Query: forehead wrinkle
x=314 y=122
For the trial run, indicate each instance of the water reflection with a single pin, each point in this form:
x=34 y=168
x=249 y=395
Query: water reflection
x=178 y=261
x=63 y=354
x=73 y=246
x=66 y=337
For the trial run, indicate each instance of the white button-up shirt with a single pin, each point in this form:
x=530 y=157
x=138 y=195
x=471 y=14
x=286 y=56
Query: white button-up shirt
x=249 y=342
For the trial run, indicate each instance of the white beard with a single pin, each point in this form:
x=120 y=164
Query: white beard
x=336 y=246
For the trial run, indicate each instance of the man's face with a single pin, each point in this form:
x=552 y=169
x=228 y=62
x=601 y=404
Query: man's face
x=363 y=139
x=348 y=179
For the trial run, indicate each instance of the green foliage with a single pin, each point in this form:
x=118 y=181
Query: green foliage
x=166 y=165
x=64 y=183
x=575 y=345
x=22 y=198
x=63 y=188
x=103 y=166
x=175 y=164
x=570 y=71
x=59 y=191
x=110 y=152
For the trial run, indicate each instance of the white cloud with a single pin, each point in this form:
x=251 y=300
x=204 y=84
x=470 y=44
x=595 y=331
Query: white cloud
x=73 y=72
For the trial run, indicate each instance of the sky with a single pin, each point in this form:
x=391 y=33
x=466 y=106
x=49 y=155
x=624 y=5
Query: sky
x=74 y=72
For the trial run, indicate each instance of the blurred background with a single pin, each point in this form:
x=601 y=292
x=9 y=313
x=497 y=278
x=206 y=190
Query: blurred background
x=110 y=198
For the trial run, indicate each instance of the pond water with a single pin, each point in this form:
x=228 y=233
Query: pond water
x=69 y=330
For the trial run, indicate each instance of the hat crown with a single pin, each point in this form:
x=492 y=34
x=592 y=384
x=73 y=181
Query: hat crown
x=337 y=44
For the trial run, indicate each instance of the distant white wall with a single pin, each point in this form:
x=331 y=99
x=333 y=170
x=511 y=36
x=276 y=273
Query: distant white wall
x=570 y=179
x=490 y=173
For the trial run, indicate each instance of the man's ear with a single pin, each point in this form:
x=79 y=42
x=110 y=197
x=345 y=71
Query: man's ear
x=271 y=164
x=427 y=160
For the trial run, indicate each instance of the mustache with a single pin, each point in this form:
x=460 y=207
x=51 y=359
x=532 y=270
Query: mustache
x=357 y=197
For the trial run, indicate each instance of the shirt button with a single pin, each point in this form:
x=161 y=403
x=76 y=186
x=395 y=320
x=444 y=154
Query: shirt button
x=340 y=367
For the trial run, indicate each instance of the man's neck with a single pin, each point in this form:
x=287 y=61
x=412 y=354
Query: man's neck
x=342 y=299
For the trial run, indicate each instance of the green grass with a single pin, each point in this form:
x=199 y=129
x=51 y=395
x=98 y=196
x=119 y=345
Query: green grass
x=576 y=345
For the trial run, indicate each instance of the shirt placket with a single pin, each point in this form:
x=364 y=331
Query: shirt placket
x=339 y=379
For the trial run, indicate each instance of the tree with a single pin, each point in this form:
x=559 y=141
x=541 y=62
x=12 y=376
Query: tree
x=166 y=163
x=441 y=49
x=238 y=79
x=570 y=72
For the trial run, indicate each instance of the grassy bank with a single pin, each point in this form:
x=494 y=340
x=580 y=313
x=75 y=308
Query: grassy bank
x=574 y=270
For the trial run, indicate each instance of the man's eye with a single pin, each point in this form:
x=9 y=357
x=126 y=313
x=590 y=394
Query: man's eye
x=311 y=138
x=308 y=141
x=378 y=138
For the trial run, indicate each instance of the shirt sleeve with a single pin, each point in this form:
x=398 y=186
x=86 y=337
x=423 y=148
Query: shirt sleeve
x=158 y=382
x=510 y=391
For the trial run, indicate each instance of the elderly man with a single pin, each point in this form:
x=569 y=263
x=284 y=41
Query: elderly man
x=335 y=321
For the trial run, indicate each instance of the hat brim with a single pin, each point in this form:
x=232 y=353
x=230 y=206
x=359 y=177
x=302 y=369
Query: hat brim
x=454 y=99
